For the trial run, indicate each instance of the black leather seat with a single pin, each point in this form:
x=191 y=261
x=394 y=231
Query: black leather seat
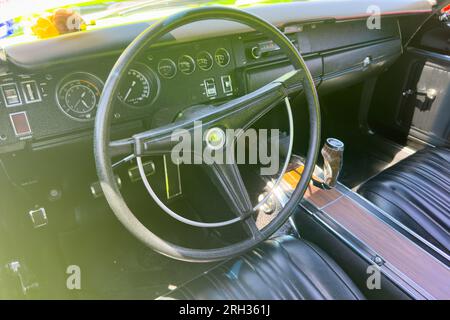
x=282 y=268
x=416 y=192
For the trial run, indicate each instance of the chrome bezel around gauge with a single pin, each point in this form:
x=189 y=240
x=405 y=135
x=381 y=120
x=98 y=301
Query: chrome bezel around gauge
x=209 y=57
x=88 y=80
x=225 y=51
x=172 y=63
x=191 y=60
x=153 y=82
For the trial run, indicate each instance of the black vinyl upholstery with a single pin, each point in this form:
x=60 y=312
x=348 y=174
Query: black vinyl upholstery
x=416 y=192
x=281 y=268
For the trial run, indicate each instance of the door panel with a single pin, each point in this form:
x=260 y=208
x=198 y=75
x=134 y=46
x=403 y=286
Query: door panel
x=412 y=100
x=429 y=96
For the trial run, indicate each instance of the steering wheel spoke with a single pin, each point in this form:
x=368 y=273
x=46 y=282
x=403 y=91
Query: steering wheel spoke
x=228 y=180
x=242 y=112
x=152 y=142
x=121 y=147
x=252 y=229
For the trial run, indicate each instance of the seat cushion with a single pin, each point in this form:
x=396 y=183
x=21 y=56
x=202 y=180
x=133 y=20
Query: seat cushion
x=281 y=268
x=416 y=192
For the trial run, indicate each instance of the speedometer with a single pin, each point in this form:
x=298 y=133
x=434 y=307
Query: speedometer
x=78 y=95
x=139 y=87
x=136 y=91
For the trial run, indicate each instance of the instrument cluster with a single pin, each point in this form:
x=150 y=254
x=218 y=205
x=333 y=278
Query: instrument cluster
x=187 y=64
x=78 y=94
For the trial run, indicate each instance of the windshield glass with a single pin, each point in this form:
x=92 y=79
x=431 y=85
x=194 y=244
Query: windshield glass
x=19 y=17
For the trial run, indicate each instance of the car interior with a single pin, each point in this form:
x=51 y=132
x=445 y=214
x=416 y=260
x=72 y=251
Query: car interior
x=358 y=90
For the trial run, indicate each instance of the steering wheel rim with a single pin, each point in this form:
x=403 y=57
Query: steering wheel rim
x=105 y=114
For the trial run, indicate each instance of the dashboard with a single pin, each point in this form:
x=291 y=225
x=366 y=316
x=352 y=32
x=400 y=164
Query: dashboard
x=49 y=90
x=157 y=86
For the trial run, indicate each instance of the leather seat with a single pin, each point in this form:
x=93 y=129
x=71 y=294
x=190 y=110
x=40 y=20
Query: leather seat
x=416 y=192
x=281 y=268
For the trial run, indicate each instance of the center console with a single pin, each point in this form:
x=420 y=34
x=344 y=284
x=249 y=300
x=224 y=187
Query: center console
x=363 y=239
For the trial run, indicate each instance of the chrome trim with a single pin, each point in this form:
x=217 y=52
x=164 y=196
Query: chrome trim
x=227 y=53
x=427 y=53
x=365 y=252
x=8 y=105
x=212 y=60
x=62 y=83
x=370 y=207
x=43 y=213
x=193 y=63
x=171 y=62
x=23 y=83
x=14 y=127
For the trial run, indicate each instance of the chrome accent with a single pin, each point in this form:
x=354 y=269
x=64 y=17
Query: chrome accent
x=193 y=63
x=172 y=63
x=210 y=57
x=62 y=83
x=367 y=62
x=25 y=278
x=227 y=85
x=215 y=138
x=362 y=250
x=14 y=126
x=96 y=189
x=134 y=174
x=226 y=53
x=38 y=217
x=25 y=89
x=10 y=105
x=370 y=207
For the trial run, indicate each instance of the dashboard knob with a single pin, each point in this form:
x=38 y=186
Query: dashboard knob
x=256 y=52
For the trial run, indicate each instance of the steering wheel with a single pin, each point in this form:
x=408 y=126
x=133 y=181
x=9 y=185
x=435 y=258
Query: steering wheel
x=239 y=113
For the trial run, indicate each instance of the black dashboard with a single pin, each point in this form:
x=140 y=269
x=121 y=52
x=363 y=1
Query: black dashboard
x=55 y=102
x=60 y=101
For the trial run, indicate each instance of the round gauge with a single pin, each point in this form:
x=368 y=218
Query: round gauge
x=222 y=57
x=186 y=64
x=205 y=60
x=167 y=68
x=78 y=95
x=136 y=88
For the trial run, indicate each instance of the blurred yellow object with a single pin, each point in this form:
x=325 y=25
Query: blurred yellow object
x=60 y=22
x=44 y=28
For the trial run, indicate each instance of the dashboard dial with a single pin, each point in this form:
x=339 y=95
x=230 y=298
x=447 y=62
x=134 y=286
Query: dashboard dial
x=186 y=64
x=167 y=68
x=205 y=60
x=136 y=89
x=78 y=95
x=222 y=57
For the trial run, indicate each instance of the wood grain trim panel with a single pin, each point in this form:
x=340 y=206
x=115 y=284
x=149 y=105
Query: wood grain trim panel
x=413 y=262
x=320 y=198
x=419 y=266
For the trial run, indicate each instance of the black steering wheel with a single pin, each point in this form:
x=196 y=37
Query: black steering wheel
x=239 y=113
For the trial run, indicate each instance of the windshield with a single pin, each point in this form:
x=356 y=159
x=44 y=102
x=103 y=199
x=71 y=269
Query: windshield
x=18 y=16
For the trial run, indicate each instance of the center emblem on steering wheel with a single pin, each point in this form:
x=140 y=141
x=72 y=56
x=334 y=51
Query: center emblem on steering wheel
x=215 y=138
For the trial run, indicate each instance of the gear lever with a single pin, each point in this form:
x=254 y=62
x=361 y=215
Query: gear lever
x=332 y=153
